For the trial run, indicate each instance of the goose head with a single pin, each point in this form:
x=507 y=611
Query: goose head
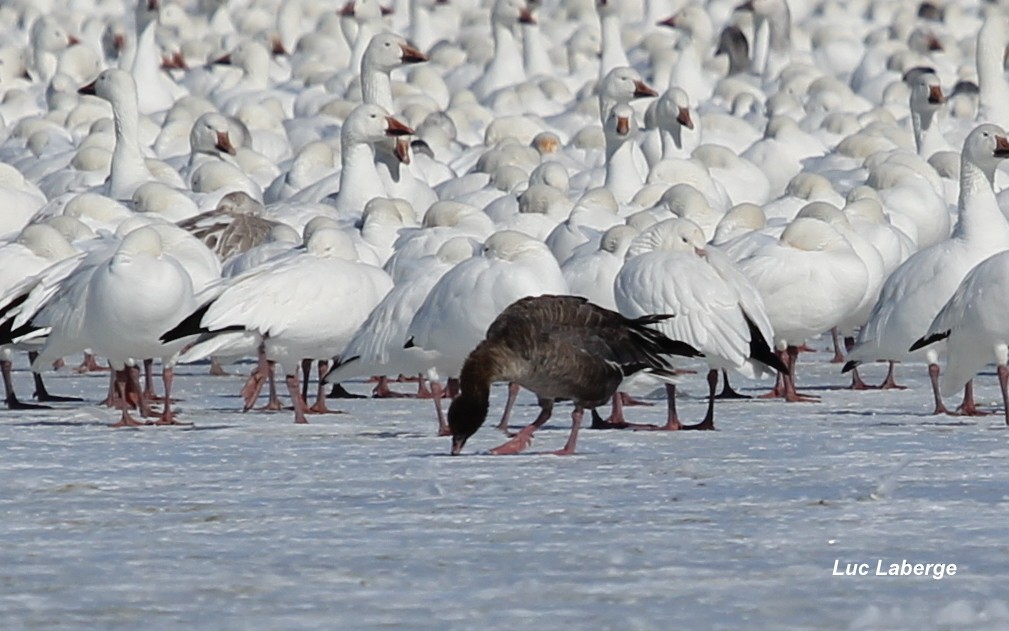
x=551 y=174
x=674 y=105
x=739 y=219
x=455 y=250
x=812 y=235
x=388 y=51
x=211 y=134
x=694 y=20
x=511 y=245
x=617 y=239
x=49 y=36
x=331 y=243
x=113 y=85
x=824 y=212
x=370 y=124
x=985 y=147
x=926 y=93
x=623 y=84
x=45 y=241
x=508 y=13
x=683 y=200
x=620 y=123
x=144 y=240
x=670 y=235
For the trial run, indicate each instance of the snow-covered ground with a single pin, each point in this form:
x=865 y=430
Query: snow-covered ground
x=361 y=521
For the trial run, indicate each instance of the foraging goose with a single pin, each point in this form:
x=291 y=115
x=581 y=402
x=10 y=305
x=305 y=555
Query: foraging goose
x=917 y=290
x=557 y=347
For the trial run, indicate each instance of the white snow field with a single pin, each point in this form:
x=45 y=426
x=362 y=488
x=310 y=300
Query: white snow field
x=362 y=521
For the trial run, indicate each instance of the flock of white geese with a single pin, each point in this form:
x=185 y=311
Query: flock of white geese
x=363 y=188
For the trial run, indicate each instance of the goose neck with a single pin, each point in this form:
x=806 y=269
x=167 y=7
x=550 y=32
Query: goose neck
x=979 y=213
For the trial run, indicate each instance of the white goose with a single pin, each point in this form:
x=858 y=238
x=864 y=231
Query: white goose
x=715 y=308
x=259 y=302
x=915 y=293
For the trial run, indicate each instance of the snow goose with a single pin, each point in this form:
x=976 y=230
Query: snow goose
x=624 y=176
x=810 y=280
x=917 y=290
x=671 y=126
x=992 y=40
x=129 y=168
x=456 y=313
x=236 y=225
x=973 y=324
x=558 y=347
x=590 y=274
x=37 y=247
x=717 y=310
x=506 y=67
x=258 y=302
x=358 y=178
x=613 y=54
x=376 y=348
x=130 y=299
x=594 y=212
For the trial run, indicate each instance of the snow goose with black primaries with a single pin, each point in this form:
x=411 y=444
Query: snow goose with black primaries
x=717 y=310
x=285 y=304
x=917 y=290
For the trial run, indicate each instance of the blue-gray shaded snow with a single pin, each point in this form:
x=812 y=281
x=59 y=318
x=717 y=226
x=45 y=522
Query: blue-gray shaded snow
x=361 y=521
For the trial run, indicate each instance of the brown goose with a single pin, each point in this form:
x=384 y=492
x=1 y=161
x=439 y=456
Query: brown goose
x=557 y=347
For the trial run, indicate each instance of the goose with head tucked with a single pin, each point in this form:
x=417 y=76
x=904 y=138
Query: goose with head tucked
x=810 y=280
x=716 y=309
x=916 y=291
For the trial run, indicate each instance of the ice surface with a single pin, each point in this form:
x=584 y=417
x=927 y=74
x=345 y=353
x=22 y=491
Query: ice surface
x=361 y=521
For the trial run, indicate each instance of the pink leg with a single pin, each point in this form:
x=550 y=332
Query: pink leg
x=436 y=392
x=525 y=436
x=167 y=416
x=126 y=420
x=672 y=418
x=134 y=388
x=857 y=383
x=452 y=387
x=319 y=407
x=90 y=364
x=889 y=383
x=513 y=393
x=627 y=400
x=294 y=390
x=306 y=372
x=779 y=381
x=838 y=357
x=616 y=420
x=383 y=391
x=423 y=392
x=968 y=407
x=1003 y=382
x=790 y=393
x=933 y=375
x=273 y=403
x=254 y=384
x=576 y=422
x=216 y=370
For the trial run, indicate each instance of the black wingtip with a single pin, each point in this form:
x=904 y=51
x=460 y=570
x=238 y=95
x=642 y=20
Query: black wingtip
x=409 y=343
x=189 y=326
x=849 y=366
x=922 y=342
x=761 y=351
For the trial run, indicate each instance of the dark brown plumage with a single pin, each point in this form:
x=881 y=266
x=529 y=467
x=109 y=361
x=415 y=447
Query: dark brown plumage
x=559 y=347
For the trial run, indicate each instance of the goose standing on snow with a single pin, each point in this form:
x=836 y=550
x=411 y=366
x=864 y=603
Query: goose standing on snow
x=975 y=327
x=306 y=305
x=917 y=290
x=718 y=310
x=557 y=347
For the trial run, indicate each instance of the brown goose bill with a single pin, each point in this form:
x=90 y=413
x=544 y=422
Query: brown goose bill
x=642 y=89
x=347 y=10
x=526 y=16
x=623 y=125
x=396 y=128
x=223 y=60
x=87 y=89
x=683 y=118
x=669 y=21
x=1001 y=147
x=411 y=55
x=935 y=95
